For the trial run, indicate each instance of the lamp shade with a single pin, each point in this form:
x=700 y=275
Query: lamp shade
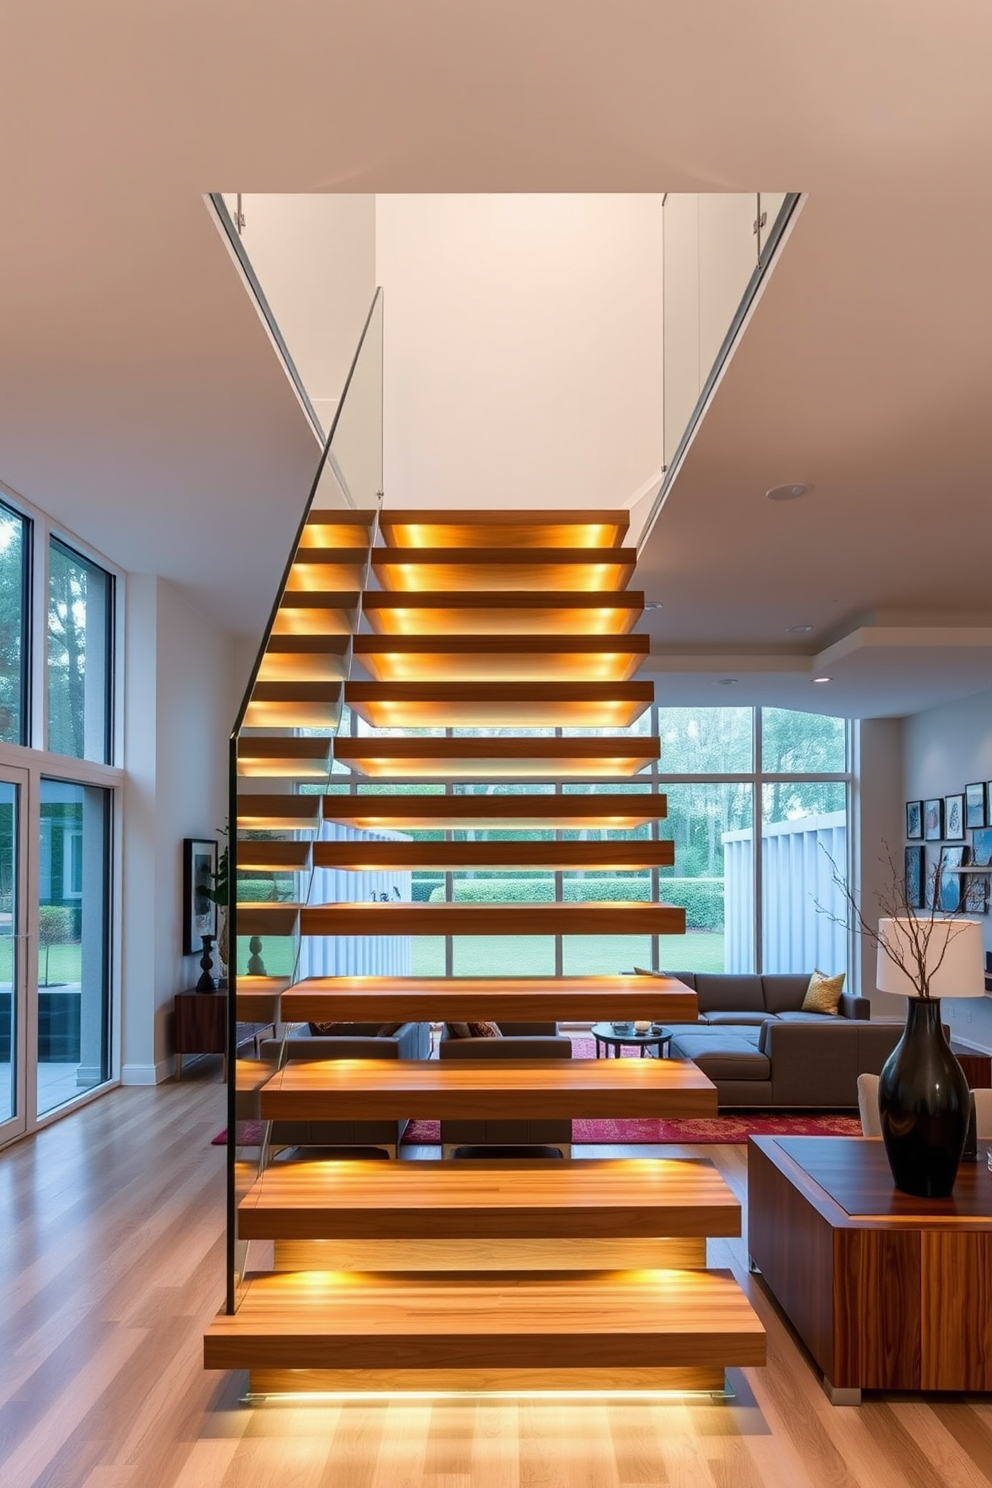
x=954 y=955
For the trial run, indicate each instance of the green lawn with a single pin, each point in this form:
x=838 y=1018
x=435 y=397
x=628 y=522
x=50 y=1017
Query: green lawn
x=523 y=955
x=64 y=962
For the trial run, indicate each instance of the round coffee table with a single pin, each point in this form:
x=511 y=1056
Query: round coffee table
x=606 y=1034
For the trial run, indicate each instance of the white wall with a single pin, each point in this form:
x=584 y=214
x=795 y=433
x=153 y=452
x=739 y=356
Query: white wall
x=178 y=713
x=946 y=749
x=315 y=260
x=523 y=349
x=879 y=830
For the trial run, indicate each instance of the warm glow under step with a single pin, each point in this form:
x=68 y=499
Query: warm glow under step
x=437 y=613
x=413 y=569
x=497 y=758
x=605 y=812
x=503 y=529
x=288 y=757
x=618 y=917
x=494 y=705
x=501 y=658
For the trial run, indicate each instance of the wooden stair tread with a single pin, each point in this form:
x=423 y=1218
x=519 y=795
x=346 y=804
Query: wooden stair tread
x=473 y=999
x=443 y=612
x=267 y=918
x=605 y=811
x=629 y=1197
x=497 y=758
x=501 y=658
x=477 y=529
x=621 y=855
x=291 y=757
x=363 y=1320
x=487 y=569
x=274 y=857
x=496 y=704
x=615 y=917
x=485 y=1089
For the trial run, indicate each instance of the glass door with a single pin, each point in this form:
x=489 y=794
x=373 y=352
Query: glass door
x=13 y=957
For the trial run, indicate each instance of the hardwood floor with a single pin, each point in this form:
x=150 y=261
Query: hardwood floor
x=111 y=1224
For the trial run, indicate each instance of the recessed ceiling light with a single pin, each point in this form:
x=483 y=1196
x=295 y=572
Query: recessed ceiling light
x=789 y=492
x=799 y=630
x=725 y=682
x=823 y=679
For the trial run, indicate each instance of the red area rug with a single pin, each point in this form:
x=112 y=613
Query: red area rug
x=734 y=1129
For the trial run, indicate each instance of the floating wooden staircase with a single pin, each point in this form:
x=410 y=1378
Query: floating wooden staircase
x=468 y=1275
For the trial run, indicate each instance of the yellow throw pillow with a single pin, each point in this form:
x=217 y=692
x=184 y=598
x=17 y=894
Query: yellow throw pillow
x=823 y=993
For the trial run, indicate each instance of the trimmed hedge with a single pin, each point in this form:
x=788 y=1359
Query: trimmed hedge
x=701 y=898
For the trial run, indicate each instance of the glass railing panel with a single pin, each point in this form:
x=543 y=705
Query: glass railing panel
x=291 y=713
x=716 y=246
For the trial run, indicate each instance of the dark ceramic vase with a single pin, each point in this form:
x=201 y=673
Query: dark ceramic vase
x=924 y=1103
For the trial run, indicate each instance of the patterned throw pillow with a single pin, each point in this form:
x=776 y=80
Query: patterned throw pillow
x=823 y=993
x=327 y=1030
x=484 y=1030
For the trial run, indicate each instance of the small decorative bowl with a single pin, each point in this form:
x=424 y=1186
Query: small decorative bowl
x=623 y=1027
x=644 y=1026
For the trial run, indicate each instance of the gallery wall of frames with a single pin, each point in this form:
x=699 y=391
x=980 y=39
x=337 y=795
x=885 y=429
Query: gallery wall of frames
x=949 y=851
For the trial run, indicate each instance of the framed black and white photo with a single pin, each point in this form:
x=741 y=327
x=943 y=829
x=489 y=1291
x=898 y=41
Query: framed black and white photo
x=933 y=820
x=974 y=805
x=949 y=883
x=914 y=820
x=954 y=818
x=915 y=877
x=199 y=877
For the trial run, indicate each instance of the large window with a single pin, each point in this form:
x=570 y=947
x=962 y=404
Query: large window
x=14 y=558
x=80 y=595
x=724 y=771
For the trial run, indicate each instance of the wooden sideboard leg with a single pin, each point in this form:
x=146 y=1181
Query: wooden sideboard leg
x=838 y=1396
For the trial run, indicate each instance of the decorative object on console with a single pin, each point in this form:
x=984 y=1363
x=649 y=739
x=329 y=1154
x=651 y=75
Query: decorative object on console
x=974 y=805
x=923 y=1094
x=199 y=904
x=914 y=820
x=206 y=982
x=954 y=818
x=933 y=819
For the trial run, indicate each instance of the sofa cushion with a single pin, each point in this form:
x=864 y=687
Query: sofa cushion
x=485 y=1030
x=738 y=1019
x=727 y=1055
x=784 y=991
x=790 y=1017
x=720 y=992
x=823 y=993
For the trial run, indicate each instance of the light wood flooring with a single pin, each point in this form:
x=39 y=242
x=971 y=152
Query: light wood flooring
x=111 y=1238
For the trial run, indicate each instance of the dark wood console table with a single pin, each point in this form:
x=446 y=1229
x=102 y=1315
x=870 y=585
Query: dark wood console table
x=887 y=1292
x=200 y=1026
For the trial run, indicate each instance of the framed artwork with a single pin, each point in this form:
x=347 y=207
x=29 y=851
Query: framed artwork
x=949 y=885
x=199 y=874
x=974 y=805
x=915 y=877
x=914 y=820
x=981 y=847
x=933 y=820
x=988 y=803
x=974 y=893
x=954 y=818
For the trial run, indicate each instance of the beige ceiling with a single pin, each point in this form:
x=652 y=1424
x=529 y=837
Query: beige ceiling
x=140 y=402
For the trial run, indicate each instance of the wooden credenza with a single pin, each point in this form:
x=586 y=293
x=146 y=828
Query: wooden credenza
x=887 y=1291
x=200 y=1026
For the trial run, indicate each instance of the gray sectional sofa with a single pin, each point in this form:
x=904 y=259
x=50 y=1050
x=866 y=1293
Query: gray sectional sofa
x=760 y=1050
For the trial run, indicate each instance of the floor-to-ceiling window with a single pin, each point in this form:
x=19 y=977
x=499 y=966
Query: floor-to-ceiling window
x=59 y=791
x=758 y=803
